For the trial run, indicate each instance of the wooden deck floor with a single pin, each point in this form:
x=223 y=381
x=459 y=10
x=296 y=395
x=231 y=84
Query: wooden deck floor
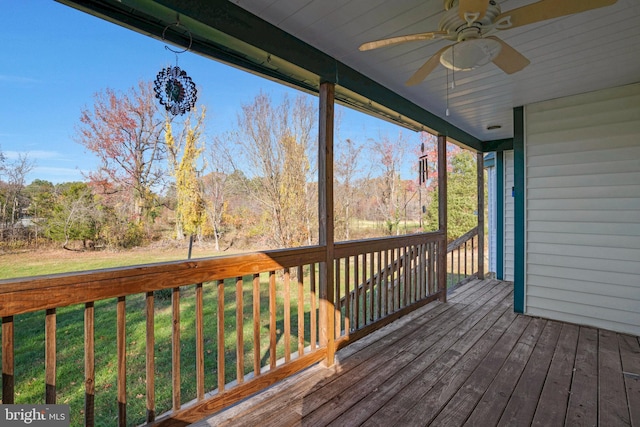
x=471 y=361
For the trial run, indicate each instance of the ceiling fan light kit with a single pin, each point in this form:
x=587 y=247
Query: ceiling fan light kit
x=470 y=54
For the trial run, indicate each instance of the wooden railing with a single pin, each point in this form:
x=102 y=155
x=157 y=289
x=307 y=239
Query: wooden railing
x=191 y=337
x=462 y=258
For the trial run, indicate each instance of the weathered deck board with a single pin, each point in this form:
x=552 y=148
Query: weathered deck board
x=470 y=361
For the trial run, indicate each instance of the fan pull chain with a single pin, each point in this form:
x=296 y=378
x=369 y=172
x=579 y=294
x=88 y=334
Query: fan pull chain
x=453 y=64
x=447 y=88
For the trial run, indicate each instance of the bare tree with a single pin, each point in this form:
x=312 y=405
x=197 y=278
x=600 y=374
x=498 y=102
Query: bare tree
x=12 y=183
x=346 y=169
x=274 y=141
x=215 y=184
x=388 y=156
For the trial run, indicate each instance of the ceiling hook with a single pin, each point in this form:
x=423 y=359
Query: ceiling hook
x=177 y=25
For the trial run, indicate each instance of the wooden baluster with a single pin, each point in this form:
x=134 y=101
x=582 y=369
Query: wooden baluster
x=425 y=271
x=287 y=316
x=50 y=356
x=431 y=266
x=314 y=307
x=459 y=264
x=411 y=273
x=199 y=343
x=338 y=305
x=239 y=331
x=300 y=274
x=392 y=279
x=398 y=276
x=372 y=286
x=150 y=363
x=465 y=257
x=7 y=361
x=89 y=365
x=380 y=288
x=405 y=276
x=364 y=290
x=273 y=339
x=121 y=340
x=175 y=349
x=452 y=268
x=221 y=364
x=385 y=281
x=473 y=261
x=356 y=291
x=419 y=272
x=347 y=297
x=256 y=325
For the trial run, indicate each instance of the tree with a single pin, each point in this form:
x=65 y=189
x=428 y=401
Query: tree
x=41 y=196
x=461 y=196
x=346 y=168
x=215 y=185
x=13 y=201
x=183 y=158
x=274 y=141
x=388 y=156
x=125 y=131
x=75 y=215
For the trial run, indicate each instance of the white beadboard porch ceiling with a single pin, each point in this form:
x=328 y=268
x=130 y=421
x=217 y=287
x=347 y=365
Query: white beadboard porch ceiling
x=569 y=55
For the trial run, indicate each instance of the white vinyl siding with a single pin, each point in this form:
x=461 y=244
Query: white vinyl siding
x=508 y=216
x=583 y=209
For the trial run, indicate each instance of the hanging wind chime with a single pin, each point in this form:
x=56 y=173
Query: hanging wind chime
x=173 y=87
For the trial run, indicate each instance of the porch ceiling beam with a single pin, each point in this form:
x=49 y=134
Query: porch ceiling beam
x=231 y=34
x=498 y=145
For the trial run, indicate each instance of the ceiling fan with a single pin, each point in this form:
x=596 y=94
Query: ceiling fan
x=470 y=23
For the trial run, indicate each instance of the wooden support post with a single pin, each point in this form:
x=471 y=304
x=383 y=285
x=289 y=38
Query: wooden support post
x=442 y=215
x=480 y=163
x=325 y=218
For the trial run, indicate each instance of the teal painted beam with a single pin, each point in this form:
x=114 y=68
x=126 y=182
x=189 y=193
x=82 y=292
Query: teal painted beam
x=519 y=210
x=500 y=215
x=497 y=145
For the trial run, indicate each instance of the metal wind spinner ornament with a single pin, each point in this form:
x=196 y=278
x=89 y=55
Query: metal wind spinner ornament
x=173 y=87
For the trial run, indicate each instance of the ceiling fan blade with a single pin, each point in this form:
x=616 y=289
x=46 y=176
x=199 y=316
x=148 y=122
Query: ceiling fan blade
x=426 y=68
x=401 y=39
x=547 y=9
x=472 y=10
x=509 y=60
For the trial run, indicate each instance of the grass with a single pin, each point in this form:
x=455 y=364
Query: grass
x=51 y=261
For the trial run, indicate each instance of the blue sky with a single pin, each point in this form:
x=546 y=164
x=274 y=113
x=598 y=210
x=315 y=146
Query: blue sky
x=56 y=58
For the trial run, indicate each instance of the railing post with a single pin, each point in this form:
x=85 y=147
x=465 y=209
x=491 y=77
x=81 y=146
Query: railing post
x=442 y=215
x=480 y=164
x=325 y=218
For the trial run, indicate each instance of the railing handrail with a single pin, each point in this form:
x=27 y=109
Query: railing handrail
x=462 y=239
x=354 y=247
x=17 y=296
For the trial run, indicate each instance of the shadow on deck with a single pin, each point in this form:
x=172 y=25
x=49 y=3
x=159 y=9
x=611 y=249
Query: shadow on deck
x=471 y=361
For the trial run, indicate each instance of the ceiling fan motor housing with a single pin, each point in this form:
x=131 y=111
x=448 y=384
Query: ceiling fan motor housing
x=458 y=29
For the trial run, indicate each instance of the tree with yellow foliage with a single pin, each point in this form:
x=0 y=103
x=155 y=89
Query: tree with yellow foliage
x=184 y=156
